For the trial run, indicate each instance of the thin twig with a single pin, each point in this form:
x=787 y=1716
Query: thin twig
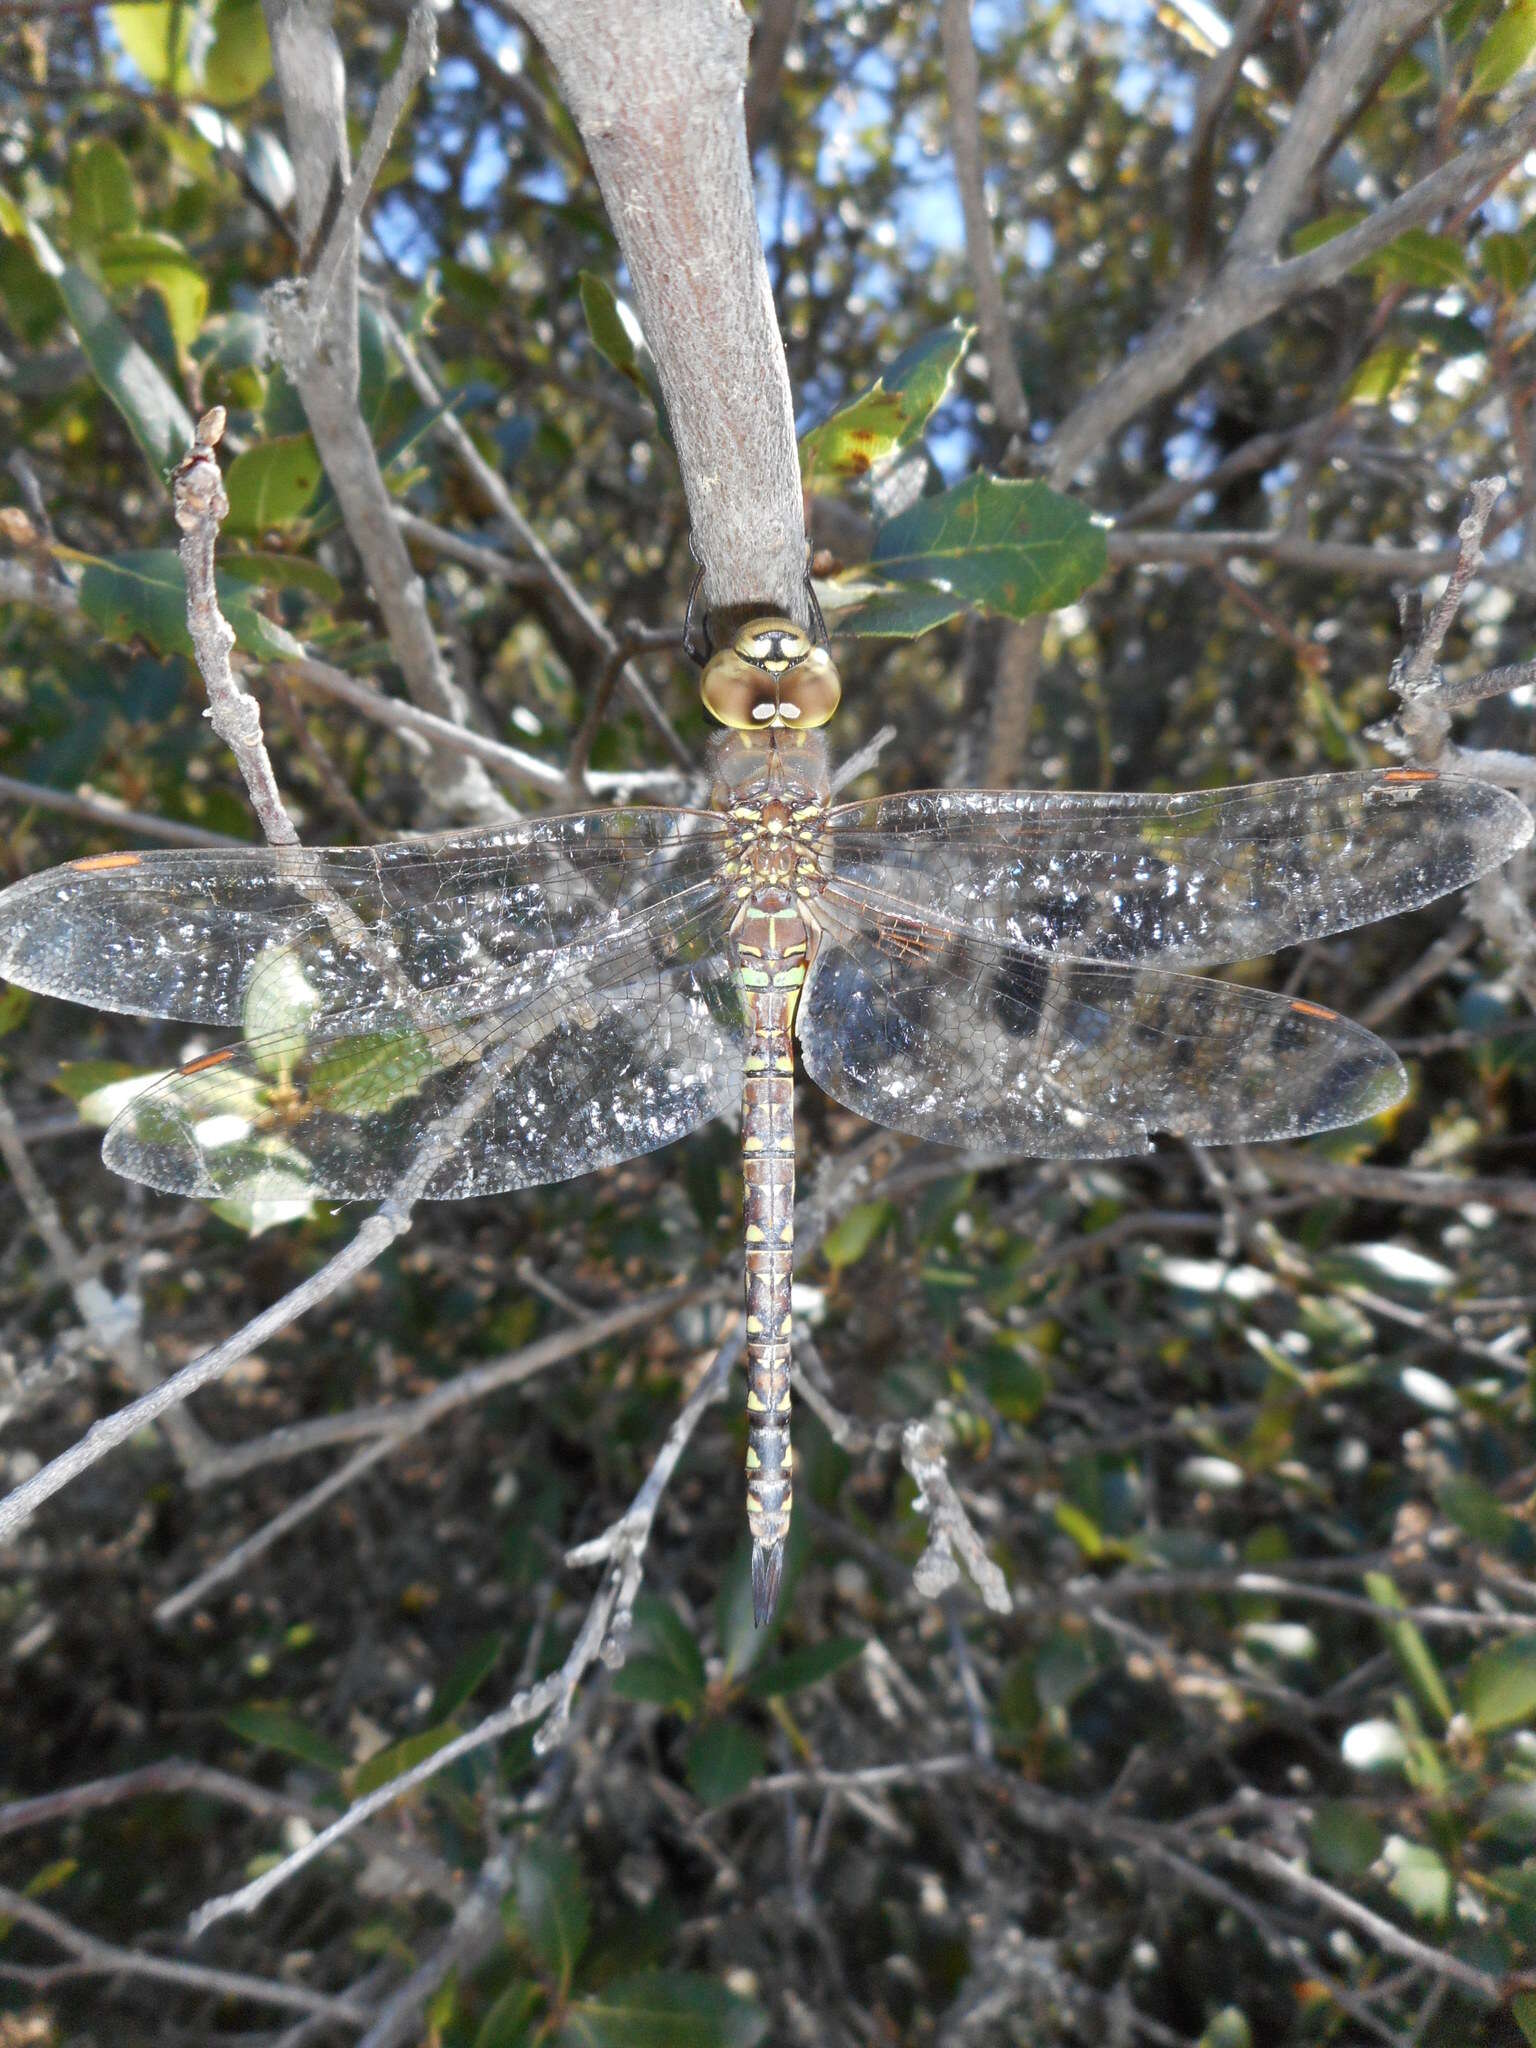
x=950 y=1531
x=101 y=810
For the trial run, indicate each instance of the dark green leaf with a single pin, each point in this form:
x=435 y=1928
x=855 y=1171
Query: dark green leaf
x=1507 y=261
x=14 y=1005
x=143 y=596
x=656 y=1682
x=1421 y=259
x=663 y=2009
x=900 y=614
x=1498 y=1689
x=658 y=1624
x=617 y=337
x=509 y=2023
x=134 y=381
x=1324 y=229
x=1346 y=1839
x=808 y=1666
x=387 y=1764
x=467 y=1676
x=547 y=1909
x=723 y=1759
x=1014 y=548
x=281 y=572
x=273 y=1728
x=889 y=415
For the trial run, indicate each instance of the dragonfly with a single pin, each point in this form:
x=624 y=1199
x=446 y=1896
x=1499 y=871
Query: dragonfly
x=1015 y=971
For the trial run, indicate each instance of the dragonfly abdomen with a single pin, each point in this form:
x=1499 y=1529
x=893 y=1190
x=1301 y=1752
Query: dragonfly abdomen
x=773 y=949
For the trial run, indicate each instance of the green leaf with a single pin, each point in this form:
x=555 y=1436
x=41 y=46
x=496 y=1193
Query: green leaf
x=387 y=1764
x=663 y=2009
x=1507 y=260
x=803 y=1667
x=1324 y=229
x=1506 y=49
x=1229 y=2029
x=900 y=614
x=1083 y=1530
x=282 y=572
x=509 y=2023
x=656 y=1682
x=669 y=1670
x=847 y=1242
x=1481 y=1514
x=1498 y=1689
x=889 y=415
x=142 y=596
x=273 y=1728
x=1380 y=374
x=132 y=379
x=467 y=1676
x=369 y=1073
x=1421 y=259
x=1523 y=2007
x=273 y=484
x=14 y=1005
x=547 y=1908
x=1406 y=77
x=102 y=201
x=1419 y=1879
x=157 y=39
x=131 y=261
x=619 y=339
x=1410 y=1648
x=239 y=59
x=1004 y=546
x=1346 y=1839
x=722 y=1760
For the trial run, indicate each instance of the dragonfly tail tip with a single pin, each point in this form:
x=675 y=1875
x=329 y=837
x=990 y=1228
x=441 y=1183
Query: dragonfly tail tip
x=767 y=1574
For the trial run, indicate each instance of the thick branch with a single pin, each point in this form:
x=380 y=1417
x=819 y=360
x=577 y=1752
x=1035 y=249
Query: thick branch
x=656 y=89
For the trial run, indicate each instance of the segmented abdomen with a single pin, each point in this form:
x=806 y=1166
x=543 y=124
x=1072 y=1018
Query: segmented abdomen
x=773 y=952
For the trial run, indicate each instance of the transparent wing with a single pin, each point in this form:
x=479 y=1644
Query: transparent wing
x=949 y=1036
x=617 y=1047
x=1188 y=880
x=191 y=934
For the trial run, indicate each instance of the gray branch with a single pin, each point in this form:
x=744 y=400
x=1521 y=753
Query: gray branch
x=655 y=87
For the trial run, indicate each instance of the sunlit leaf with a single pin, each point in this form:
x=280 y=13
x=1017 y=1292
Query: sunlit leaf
x=1507 y=261
x=102 y=201
x=273 y=484
x=1498 y=1689
x=157 y=38
x=890 y=414
x=1419 y=1878
x=1003 y=546
x=1379 y=376
x=1506 y=49
x=146 y=257
x=619 y=339
x=239 y=59
x=1420 y=258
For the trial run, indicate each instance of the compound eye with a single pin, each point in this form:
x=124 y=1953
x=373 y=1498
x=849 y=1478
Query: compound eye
x=811 y=692
x=739 y=695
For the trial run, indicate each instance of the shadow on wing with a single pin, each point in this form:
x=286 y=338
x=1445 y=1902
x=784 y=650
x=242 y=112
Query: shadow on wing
x=952 y=1037
x=620 y=1049
x=1187 y=880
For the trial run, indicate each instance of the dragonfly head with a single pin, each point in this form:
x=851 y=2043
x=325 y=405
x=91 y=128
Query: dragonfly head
x=772 y=675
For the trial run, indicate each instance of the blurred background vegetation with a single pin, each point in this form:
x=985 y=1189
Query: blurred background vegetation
x=1156 y=1801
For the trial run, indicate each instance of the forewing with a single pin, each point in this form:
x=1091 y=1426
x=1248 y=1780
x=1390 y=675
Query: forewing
x=188 y=934
x=953 y=1037
x=622 y=1046
x=1186 y=880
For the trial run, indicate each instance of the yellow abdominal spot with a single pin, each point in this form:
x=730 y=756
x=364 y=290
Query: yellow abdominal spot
x=756 y=1405
x=754 y=1462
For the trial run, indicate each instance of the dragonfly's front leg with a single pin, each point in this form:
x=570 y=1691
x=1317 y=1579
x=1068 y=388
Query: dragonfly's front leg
x=774 y=951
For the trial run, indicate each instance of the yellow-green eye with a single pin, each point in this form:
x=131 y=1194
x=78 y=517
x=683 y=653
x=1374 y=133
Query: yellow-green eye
x=771 y=675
